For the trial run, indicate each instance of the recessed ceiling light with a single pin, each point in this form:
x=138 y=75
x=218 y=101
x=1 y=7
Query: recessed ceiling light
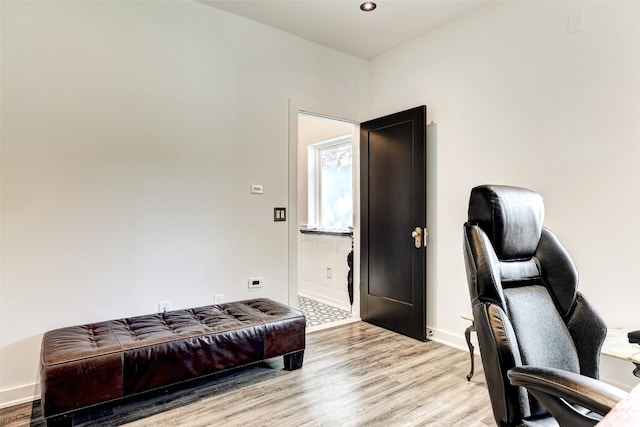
x=368 y=6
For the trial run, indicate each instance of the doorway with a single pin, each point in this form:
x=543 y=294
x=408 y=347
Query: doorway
x=385 y=307
x=323 y=215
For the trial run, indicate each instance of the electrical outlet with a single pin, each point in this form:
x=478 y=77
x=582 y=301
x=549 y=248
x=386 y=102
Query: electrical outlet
x=576 y=22
x=255 y=282
x=329 y=273
x=218 y=298
x=164 y=306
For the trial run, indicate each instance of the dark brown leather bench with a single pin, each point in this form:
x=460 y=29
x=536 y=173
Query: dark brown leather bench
x=99 y=362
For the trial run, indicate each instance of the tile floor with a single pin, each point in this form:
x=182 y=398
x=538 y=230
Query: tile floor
x=318 y=313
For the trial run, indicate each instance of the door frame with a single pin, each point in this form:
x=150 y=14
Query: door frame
x=296 y=106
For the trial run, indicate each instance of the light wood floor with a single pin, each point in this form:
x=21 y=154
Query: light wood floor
x=353 y=375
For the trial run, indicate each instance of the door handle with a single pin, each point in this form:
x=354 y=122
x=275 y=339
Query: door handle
x=417 y=237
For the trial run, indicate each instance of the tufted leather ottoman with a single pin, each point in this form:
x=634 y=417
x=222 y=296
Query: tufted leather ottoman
x=95 y=363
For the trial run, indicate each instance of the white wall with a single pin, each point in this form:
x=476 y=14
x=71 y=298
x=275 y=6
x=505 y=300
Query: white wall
x=132 y=130
x=130 y=134
x=324 y=269
x=517 y=100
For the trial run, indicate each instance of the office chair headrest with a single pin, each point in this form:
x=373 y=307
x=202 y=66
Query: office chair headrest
x=510 y=216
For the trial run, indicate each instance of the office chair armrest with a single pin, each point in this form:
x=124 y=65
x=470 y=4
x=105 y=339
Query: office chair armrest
x=557 y=390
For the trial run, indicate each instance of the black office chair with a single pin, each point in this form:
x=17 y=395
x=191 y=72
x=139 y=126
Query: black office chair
x=536 y=332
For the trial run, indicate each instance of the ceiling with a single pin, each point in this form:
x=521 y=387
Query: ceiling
x=340 y=24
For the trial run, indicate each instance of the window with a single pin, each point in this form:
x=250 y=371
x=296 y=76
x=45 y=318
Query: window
x=330 y=184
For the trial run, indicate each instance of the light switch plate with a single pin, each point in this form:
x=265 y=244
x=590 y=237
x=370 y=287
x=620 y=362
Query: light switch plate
x=279 y=214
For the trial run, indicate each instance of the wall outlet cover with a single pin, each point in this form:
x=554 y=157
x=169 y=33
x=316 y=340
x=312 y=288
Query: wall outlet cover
x=255 y=282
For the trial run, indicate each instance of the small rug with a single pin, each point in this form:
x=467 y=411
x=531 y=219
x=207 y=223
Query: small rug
x=318 y=313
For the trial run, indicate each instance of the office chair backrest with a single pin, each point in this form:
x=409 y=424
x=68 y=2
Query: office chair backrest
x=524 y=293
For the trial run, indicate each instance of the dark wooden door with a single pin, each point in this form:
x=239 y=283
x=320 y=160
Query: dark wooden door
x=393 y=206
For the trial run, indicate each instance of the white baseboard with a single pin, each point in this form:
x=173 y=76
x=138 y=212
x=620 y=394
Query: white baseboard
x=18 y=395
x=452 y=340
x=612 y=371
